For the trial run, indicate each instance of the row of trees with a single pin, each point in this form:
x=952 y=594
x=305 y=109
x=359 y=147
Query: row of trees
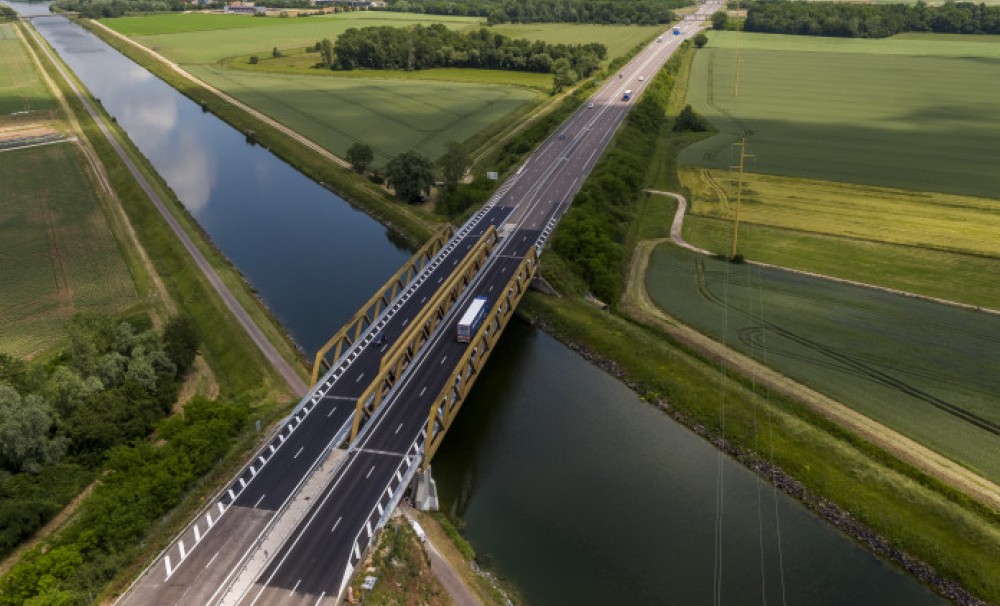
x=640 y=12
x=113 y=385
x=420 y=47
x=98 y=9
x=850 y=20
x=411 y=174
x=590 y=236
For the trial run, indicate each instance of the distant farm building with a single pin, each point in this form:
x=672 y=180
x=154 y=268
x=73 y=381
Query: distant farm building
x=245 y=8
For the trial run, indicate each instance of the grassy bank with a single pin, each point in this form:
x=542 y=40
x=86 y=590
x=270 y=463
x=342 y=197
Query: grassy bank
x=412 y=223
x=915 y=513
x=862 y=489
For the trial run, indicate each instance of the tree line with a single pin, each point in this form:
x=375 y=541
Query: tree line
x=625 y=12
x=849 y=20
x=591 y=235
x=59 y=419
x=424 y=47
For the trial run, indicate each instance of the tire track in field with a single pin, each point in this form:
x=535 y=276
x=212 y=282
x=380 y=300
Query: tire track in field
x=851 y=364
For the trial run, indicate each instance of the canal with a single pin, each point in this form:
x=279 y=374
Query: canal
x=568 y=485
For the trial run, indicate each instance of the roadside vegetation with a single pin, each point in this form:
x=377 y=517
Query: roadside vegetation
x=97 y=413
x=642 y=12
x=896 y=510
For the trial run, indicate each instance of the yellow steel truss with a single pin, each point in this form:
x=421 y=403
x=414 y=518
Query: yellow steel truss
x=405 y=348
x=357 y=325
x=446 y=405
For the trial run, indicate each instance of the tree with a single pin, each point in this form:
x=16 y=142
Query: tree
x=689 y=121
x=700 y=40
x=180 y=342
x=719 y=19
x=25 y=425
x=411 y=175
x=326 y=50
x=360 y=155
x=453 y=164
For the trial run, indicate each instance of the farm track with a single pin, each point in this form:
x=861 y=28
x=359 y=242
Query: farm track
x=638 y=304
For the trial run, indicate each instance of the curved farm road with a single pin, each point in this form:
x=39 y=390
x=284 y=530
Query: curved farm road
x=288 y=374
x=637 y=303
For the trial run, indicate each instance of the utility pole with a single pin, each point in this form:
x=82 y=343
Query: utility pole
x=739 y=193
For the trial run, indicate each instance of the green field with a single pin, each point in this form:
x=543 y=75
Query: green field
x=197 y=38
x=58 y=253
x=390 y=115
x=924 y=369
x=915 y=112
x=20 y=87
x=930 y=220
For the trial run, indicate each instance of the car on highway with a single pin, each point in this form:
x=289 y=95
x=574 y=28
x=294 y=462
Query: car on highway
x=641 y=78
x=590 y=105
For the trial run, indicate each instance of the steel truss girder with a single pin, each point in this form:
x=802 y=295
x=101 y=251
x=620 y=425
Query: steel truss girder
x=363 y=318
x=446 y=405
x=405 y=349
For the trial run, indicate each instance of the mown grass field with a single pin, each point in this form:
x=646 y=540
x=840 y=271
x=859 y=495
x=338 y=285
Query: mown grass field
x=969 y=279
x=930 y=220
x=924 y=369
x=391 y=116
x=20 y=87
x=915 y=112
x=57 y=252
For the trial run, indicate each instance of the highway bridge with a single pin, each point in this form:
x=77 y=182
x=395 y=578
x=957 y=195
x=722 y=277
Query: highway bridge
x=295 y=522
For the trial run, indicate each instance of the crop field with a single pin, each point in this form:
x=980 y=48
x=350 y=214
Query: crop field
x=969 y=279
x=199 y=39
x=932 y=220
x=924 y=369
x=302 y=63
x=914 y=112
x=391 y=116
x=20 y=87
x=57 y=252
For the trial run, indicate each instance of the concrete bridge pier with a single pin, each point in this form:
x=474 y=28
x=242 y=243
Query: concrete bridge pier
x=425 y=491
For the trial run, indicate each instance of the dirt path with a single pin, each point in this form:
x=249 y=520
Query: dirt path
x=284 y=369
x=636 y=303
x=450 y=579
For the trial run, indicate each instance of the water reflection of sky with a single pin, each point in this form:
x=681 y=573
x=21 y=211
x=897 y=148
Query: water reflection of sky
x=312 y=258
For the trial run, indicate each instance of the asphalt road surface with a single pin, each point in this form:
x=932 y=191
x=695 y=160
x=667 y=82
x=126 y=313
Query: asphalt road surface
x=316 y=562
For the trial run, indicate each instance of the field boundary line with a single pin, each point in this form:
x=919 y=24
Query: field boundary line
x=638 y=304
x=678 y=239
x=267 y=349
x=229 y=99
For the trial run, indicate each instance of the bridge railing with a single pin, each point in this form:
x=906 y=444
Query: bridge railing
x=363 y=318
x=406 y=347
x=446 y=405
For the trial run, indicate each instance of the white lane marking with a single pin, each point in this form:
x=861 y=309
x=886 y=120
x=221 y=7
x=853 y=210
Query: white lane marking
x=440 y=279
x=443 y=359
x=337 y=523
x=406 y=321
x=332 y=410
x=370 y=472
x=296 y=587
x=490 y=290
x=423 y=390
x=259 y=500
x=321 y=596
x=359 y=377
x=398 y=428
x=383 y=348
x=424 y=299
x=212 y=560
x=301 y=448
